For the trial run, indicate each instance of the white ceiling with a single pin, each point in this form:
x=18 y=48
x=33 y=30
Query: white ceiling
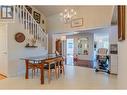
x=51 y=10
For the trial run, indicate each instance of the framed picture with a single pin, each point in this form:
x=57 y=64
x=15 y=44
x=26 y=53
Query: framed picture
x=29 y=9
x=121 y=22
x=113 y=49
x=77 y=22
x=37 y=17
x=43 y=22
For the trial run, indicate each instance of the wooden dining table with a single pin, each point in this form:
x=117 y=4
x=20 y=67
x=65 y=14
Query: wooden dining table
x=38 y=62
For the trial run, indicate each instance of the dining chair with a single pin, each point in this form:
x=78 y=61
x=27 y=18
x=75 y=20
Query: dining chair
x=50 y=65
x=57 y=53
x=33 y=68
x=60 y=65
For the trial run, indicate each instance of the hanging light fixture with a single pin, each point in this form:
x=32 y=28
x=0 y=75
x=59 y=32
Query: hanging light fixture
x=67 y=15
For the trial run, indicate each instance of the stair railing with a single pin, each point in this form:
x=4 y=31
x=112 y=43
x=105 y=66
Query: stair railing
x=34 y=30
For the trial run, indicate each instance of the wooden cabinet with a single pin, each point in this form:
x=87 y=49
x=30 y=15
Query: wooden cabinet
x=59 y=46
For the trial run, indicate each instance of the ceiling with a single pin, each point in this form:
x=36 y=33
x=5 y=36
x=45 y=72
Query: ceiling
x=51 y=10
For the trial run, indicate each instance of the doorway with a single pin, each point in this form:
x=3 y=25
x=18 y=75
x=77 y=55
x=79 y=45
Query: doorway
x=70 y=51
x=3 y=50
x=101 y=40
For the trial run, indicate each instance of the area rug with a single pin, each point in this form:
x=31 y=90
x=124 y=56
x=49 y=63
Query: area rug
x=84 y=63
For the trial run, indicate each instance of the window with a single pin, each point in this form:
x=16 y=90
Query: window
x=7 y=12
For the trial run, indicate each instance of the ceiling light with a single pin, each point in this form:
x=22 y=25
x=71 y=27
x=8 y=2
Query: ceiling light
x=67 y=15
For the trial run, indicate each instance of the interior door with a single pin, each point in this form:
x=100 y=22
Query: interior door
x=3 y=50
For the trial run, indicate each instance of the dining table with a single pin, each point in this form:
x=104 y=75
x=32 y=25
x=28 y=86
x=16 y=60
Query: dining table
x=38 y=62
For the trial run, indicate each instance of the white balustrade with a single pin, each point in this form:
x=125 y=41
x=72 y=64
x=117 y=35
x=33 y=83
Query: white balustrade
x=31 y=26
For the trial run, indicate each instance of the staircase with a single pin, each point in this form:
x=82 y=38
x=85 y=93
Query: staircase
x=33 y=30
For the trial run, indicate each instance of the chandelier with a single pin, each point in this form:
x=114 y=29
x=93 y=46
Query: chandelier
x=67 y=15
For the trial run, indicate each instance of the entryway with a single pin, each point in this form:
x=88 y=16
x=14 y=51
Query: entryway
x=70 y=51
x=3 y=51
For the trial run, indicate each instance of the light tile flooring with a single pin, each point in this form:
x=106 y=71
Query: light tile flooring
x=75 y=78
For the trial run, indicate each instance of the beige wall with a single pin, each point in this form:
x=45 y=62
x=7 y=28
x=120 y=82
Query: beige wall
x=122 y=61
x=17 y=50
x=113 y=39
x=93 y=17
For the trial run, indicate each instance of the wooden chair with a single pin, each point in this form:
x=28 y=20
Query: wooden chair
x=33 y=68
x=57 y=53
x=49 y=66
x=60 y=65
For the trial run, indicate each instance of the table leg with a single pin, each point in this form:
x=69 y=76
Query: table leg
x=27 y=69
x=42 y=73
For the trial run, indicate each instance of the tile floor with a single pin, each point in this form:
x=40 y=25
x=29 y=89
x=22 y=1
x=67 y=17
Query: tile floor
x=75 y=78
